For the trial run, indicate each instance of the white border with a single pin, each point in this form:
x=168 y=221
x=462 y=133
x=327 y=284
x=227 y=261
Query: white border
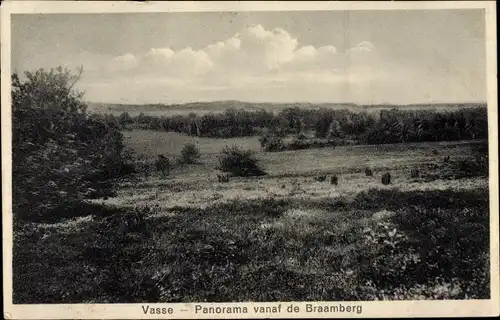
x=126 y=311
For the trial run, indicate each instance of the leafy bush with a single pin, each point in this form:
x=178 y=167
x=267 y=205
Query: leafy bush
x=476 y=165
x=301 y=136
x=163 y=165
x=189 y=154
x=298 y=144
x=271 y=143
x=142 y=165
x=458 y=247
x=435 y=246
x=276 y=144
x=239 y=162
x=59 y=151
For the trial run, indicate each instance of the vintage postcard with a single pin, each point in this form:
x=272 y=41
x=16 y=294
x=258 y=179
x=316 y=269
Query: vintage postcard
x=183 y=160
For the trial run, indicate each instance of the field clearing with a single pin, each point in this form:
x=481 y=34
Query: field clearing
x=290 y=174
x=151 y=143
x=203 y=193
x=279 y=237
x=338 y=160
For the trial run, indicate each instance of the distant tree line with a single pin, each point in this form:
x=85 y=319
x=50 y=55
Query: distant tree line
x=342 y=126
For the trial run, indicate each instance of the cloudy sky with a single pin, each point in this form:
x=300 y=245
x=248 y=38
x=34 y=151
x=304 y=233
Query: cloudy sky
x=365 y=57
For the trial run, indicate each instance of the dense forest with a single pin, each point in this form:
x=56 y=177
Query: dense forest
x=341 y=126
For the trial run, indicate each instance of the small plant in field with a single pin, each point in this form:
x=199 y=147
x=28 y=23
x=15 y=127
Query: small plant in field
x=415 y=173
x=296 y=187
x=320 y=178
x=386 y=178
x=142 y=166
x=189 y=154
x=384 y=233
x=334 y=180
x=239 y=162
x=223 y=177
x=368 y=172
x=163 y=165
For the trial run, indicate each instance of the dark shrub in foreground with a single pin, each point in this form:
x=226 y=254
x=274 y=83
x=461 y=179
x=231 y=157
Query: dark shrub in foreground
x=59 y=151
x=68 y=209
x=393 y=199
x=241 y=163
x=435 y=245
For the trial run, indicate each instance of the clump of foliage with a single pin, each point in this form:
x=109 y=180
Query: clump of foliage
x=271 y=143
x=189 y=154
x=476 y=165
x=125 y=119
x=163 y=165
x=142 y=165
x=304 y=143
x=298 y=144
x=434 y=246
x=239 y=162
x=274 y=143
x=59 y=151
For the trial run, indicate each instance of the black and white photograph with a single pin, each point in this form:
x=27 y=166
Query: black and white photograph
x=198 y=158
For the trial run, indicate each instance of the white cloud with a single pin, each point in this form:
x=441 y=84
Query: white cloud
x=166 y=62
x=311 y=59
x=127 y=61
x=252 y=59
x=364 y=46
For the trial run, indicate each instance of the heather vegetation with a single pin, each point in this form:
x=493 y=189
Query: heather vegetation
x=106 y=215
x=265 y=250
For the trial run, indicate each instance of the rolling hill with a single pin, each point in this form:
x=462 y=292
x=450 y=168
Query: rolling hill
x=222 y=106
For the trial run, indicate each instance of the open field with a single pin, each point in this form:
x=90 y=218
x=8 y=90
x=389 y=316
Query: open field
x=279 y=237
x=295 y=170
x=299 y=162
x=151 y=143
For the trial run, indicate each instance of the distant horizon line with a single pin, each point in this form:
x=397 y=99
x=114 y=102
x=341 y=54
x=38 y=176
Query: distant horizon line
x=284 y=103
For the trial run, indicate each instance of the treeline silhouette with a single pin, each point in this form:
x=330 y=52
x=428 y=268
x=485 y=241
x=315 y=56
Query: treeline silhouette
x=342 y=126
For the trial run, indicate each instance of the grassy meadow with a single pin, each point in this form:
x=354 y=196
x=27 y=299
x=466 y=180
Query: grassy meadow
x=279 y=237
